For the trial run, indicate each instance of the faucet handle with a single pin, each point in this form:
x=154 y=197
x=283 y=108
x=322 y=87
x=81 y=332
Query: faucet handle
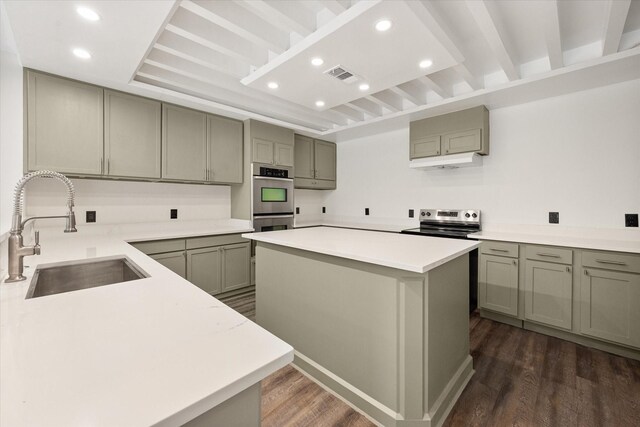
x=37 y=238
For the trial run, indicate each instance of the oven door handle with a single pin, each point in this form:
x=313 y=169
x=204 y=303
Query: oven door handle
x=272 y=216
x=273 y=178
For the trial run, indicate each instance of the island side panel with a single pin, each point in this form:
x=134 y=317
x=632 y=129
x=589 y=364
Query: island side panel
x=336 y=315
x=242 y=410
x=449 y=364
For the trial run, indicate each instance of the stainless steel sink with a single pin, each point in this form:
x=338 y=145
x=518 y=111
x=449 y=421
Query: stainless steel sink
x=71 y=276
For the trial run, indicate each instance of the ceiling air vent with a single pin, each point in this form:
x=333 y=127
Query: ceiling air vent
x=340 y=73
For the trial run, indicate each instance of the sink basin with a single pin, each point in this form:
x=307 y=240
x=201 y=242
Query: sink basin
x=51 y=279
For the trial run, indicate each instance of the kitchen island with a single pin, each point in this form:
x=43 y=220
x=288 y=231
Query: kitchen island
x=154 y=351
x=379 y=318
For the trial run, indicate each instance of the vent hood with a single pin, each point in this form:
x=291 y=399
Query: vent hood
x=451 y=161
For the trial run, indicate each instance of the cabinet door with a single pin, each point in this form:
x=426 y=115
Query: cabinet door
x=203 y=269
x=262 y=151
x=174 y=261
x=225 y=149
x=325 y=157
x=132 y=141
x=64 y=125
x=498 y=284
x=548 y=293
x=283 y=154
x=425 y=147
x=236 y=270
x=610 y=306
x=303 y=157
x=462 y=142
x=184 y=142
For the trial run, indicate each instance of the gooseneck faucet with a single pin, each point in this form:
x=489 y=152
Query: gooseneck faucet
x=17 y=250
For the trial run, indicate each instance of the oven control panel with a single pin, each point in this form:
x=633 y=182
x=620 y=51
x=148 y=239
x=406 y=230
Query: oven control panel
x=450 y=215
x=274 y=172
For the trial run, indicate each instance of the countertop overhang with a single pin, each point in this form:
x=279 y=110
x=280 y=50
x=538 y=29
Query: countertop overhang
x=154 y=351
x=417 y=254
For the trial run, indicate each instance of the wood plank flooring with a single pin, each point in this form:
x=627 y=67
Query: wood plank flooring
x=522 y=379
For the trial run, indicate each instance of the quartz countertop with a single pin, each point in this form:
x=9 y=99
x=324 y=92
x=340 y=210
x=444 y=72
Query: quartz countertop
x=597 y=239
x=154 y=351
x=418 y=254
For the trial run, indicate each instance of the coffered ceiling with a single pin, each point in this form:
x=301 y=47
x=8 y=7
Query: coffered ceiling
x=225 y=54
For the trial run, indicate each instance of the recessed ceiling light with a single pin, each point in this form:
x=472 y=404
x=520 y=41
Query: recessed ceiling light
x=426 y=63
x=317 y=62
x=81 y=53
x=319 y=103
x=272 y=85
x=383 y=25
x=363 y=87
x=88 y=14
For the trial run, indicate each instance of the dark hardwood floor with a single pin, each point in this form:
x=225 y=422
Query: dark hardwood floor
x=522 y=379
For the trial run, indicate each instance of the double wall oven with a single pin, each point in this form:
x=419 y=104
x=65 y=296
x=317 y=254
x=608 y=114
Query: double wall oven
x=453 y=224
x=272 y=198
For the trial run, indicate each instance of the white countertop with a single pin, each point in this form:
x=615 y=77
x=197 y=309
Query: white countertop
x=418 y=254
x=597 y=239
x=155 y=351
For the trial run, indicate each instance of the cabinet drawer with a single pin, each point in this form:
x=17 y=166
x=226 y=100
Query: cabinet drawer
x=159 y=246
x=550 y=254
x=500 y=249
x=611 y=261
x=208 y=241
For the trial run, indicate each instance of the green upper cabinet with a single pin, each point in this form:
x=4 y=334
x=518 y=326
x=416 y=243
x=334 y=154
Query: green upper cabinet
x=225 y=149
x=315 y=163
x=283 y=154
x=459 y=132
x=184 y=144
x=64 y=125
x=132 y=141
x=304 y=166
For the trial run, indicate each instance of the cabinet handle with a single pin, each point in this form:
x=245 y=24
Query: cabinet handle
x=438 y=152
x=515 y=262
x=548 y=255
x=586 y=272
x=447 y=151
x=108 y=166
x=101 y=165
x=568 y=269
x=498 y=250
x=606 y=261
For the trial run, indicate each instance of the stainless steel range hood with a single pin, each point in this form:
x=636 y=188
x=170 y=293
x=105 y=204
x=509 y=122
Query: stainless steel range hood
x=451 y=161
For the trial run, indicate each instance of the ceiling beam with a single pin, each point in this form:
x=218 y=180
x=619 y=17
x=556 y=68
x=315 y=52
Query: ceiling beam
x=335 y=6
x=387 y=99
x=350 y=113
x=429 y=83
x=365 y=106
x=615 y=18
x=552 y=33
x=426 y=12
x=483 y=12
x=290 y=15
x=241 y=22
x=413 y=91
x=199 y=30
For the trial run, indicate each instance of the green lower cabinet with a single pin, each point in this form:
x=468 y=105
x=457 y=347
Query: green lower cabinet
x=236 y=266
x=203 y=269
x=610 y=306
x=498 y=284
x=548 y=293
x=174 y=261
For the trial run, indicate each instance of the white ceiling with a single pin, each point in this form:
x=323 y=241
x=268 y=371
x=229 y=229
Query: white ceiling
x=219 y=55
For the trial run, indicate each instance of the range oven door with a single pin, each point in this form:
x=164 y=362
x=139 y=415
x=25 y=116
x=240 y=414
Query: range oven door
x=272 y=195
x=273 y=223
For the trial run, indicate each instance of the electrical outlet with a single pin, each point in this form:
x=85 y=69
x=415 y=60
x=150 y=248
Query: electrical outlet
x=90 y=216
x=324 y=210
x=174 y=214
x=297 y=211
x=410 y=213
x=366 y=211
x=554 y=217
x=630 y=220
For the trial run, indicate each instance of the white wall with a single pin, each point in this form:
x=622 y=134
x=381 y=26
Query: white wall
x=578 y=154
x=10 y=119
x=118 y=202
